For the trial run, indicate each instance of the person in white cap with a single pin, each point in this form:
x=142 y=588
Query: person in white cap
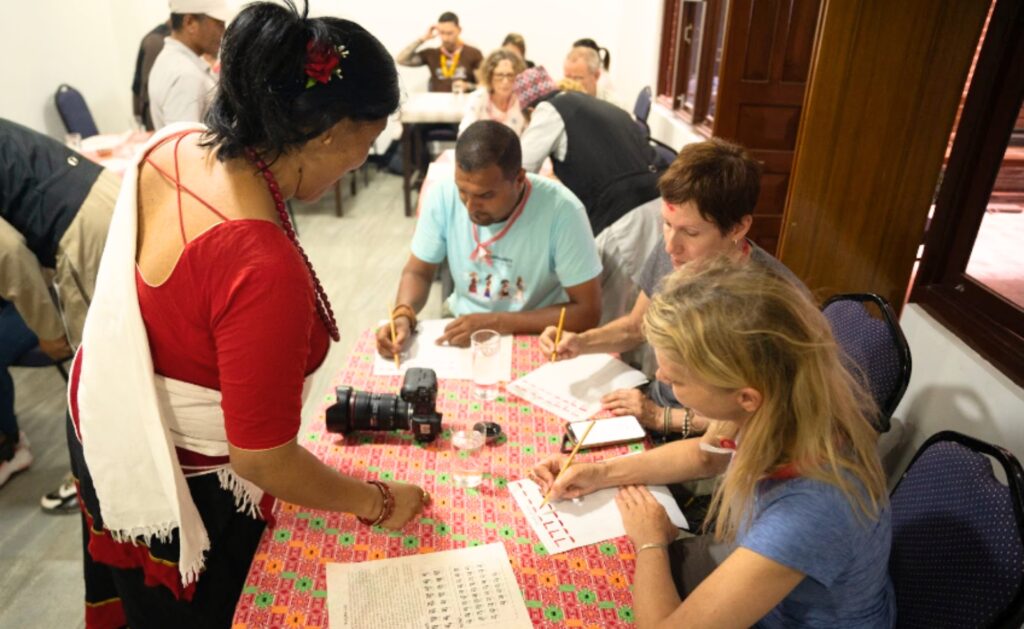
x=181 y=81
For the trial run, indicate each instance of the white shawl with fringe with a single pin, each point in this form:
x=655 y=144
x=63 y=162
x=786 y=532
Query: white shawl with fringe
x=131 y=419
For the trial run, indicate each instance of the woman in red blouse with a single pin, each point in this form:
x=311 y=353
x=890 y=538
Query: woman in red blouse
x=187 y=392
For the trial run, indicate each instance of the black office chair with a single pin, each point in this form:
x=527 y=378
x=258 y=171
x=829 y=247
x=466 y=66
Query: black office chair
x=74 y=112
x=874 y=348
x=957 y=555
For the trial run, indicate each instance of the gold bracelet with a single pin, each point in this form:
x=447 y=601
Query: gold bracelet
x=648 y=545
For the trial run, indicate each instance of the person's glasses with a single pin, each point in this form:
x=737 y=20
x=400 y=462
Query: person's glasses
x=503 y=76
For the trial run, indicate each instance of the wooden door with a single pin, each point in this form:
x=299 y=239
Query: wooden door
x=765 y=64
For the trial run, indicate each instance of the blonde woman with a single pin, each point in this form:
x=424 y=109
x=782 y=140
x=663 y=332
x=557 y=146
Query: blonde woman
x=801 y=512
x=495 y=100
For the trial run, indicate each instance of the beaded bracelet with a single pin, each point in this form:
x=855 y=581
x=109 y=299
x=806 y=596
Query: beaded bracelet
x=405 y=310
x=687 y=422
x=389 y=504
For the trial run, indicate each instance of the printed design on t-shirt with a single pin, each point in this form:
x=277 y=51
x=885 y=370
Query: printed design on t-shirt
x=503 y=286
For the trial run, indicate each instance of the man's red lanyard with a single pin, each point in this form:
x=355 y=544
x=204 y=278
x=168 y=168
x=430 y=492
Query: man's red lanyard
x=483 y=249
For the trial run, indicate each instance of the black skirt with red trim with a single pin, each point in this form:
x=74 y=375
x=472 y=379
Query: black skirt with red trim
x=139 y=585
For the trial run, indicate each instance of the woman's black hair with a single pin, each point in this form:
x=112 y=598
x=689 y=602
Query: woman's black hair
x=602 y=53
x=262 y=99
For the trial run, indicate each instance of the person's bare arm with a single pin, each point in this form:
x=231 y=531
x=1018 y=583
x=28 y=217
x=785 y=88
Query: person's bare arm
x=582 y=311
x=413 y=291
x=408 y=55
x=294 y=474
x=620 y=335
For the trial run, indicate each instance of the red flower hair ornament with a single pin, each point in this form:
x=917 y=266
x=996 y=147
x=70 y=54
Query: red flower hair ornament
x=322 y=62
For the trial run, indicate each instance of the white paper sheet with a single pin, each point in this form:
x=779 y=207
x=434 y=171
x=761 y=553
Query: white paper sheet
x=608 y=430
x=467 y=588
x=566 y=524
x=572 y=389
x=450 y=363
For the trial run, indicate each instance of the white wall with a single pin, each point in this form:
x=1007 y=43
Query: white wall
x=89 y=44
x=954 y=388
x=92 y=44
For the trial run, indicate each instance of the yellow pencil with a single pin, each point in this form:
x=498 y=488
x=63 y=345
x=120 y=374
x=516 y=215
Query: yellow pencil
x=569 y=460
x=394 y=337
x=558 y=334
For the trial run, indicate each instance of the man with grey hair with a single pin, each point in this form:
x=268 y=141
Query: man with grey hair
x=519 y=247
x=583 y=65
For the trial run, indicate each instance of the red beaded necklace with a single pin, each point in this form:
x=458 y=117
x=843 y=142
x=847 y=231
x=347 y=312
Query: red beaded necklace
x=323 y=305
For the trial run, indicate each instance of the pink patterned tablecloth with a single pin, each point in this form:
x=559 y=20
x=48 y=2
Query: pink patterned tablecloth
x=287 y=584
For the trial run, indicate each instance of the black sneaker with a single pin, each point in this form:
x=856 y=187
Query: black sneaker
x=62 y=500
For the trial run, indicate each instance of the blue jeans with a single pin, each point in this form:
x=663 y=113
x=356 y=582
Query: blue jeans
x=15 y=340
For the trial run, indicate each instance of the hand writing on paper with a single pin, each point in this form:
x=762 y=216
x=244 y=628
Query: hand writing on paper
x=409 y=502
x=457 y=332
x=632 y=402
x=385 y=347
x=645 y=521
x=569 y=346
x=578 y=480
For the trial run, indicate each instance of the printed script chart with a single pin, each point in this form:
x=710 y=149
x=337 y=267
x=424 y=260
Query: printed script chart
x=592 y=519
x=584 y=587
x=471 y=588
x=447 y=362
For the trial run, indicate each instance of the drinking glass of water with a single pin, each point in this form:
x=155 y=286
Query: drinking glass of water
x=485 y=346
x=468 y=465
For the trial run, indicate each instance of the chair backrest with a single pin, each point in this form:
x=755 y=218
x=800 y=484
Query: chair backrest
x=642 y=107
x=74 y=112
x=875 y=348
x=958 y=537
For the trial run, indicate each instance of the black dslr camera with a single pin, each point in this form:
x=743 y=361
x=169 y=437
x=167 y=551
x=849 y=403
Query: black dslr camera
x=413 y=409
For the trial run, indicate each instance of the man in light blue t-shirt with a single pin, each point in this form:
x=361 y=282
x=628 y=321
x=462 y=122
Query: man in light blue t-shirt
x=519 y=247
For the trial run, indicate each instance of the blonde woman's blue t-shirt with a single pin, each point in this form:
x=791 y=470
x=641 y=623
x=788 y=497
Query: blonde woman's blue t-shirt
x=548 y=248
x=811 y=526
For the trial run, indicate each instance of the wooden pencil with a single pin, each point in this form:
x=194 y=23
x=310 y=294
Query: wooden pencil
x=568 y=461
x=394 y=338
x=558 y=334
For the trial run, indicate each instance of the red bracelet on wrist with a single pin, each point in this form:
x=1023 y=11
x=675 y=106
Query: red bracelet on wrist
x=389 y=504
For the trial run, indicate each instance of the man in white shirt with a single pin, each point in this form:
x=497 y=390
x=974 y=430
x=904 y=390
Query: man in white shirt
x=181 y=81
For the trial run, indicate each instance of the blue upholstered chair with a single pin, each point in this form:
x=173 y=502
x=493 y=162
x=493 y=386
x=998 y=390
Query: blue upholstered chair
x=74 y=112
x=874 y=347
x=642 y=108
x=958 y=536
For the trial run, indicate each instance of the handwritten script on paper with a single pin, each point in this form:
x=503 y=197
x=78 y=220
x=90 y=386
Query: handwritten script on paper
x=572 y=389
x=450 y=363
x=567 y=524
x=468 y=588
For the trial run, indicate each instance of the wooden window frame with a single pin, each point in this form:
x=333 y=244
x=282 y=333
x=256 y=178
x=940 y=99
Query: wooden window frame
x=989 y=323
x=674 y=63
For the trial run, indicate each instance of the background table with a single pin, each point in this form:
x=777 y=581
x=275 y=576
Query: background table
x=585 y=587
x=119 y=151
x=422 y=109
